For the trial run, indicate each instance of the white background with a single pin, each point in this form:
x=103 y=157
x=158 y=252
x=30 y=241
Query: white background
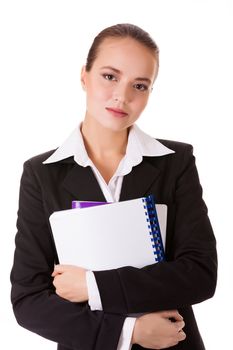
x=43 y=46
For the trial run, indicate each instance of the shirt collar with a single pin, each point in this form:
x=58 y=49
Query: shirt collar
x=72 y=147
x=139 y=144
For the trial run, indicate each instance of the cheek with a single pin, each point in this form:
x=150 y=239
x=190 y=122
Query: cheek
x=99 y=93
x=141 y=103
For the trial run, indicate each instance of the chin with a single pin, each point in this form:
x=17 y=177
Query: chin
x=116 y=127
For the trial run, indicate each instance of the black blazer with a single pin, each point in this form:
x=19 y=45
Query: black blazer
x=187 y=277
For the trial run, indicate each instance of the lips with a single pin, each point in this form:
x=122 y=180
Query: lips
x=117 y=112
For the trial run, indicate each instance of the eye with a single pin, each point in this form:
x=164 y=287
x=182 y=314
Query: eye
x=109 y=77
x=141 y=87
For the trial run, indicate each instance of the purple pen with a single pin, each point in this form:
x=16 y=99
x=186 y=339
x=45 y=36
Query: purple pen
x=86 y=204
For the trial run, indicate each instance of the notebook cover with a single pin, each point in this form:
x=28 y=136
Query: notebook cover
x=107 y=236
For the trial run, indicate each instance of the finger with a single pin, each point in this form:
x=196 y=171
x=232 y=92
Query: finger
x=173 y=314
x=54 y=282
x=64 y=267
x=181 y=335
x=179 y=325
x=56 y=271
x=59 y=268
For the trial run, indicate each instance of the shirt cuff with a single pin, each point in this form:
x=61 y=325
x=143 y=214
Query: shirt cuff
x=94 y=300
x=126 y=334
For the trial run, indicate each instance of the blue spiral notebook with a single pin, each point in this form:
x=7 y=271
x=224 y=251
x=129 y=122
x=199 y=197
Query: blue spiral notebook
x=127 y=233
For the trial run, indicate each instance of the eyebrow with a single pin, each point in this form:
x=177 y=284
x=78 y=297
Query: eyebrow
x=119 y=72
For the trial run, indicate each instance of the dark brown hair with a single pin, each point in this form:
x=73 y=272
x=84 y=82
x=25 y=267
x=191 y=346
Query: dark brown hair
x=122 y=30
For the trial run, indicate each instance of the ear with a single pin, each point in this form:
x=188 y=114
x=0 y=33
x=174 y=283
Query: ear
x=83 y=77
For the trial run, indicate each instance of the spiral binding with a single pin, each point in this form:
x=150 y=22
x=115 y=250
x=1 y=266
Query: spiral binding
x=153 y=226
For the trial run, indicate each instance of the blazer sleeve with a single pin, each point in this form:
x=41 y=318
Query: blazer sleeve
x=35 y=303
x=189 y=276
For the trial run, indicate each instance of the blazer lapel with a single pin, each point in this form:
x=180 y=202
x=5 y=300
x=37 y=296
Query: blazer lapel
x=81 y=183
x=139 y=181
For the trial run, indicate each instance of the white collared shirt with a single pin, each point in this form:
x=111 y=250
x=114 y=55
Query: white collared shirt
x=139 y=145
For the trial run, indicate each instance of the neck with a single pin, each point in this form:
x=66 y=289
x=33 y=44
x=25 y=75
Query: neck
x=100 y=141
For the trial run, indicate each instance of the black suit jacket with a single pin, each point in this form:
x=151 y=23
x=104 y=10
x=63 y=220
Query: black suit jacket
x=187 y=277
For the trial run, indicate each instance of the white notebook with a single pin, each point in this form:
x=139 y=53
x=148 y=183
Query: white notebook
x=128 y=233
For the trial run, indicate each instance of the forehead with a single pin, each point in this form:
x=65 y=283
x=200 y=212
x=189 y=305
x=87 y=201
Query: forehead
x=126 y=53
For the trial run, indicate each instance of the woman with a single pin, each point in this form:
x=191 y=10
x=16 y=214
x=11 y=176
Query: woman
x=108 y=158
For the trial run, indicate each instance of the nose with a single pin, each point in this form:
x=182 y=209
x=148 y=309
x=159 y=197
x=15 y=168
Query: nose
x=122 y=93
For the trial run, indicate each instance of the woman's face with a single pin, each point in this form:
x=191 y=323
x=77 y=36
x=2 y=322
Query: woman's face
x=119 y=83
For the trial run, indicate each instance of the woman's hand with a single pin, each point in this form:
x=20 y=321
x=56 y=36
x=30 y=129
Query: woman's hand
x=157 y=331
x=70 y=282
